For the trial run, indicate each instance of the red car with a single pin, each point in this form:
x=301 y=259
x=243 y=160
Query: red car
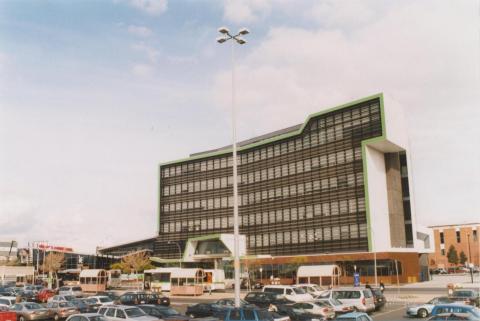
x=44 y=295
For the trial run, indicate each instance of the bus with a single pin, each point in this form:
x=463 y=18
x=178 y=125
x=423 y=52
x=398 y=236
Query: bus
x=162 y=279
x=214 y=280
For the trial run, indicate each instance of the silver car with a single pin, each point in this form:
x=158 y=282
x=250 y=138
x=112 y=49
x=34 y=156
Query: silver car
x=361 y=298
x=423 y=310
x=124 y=312
x=71 y=290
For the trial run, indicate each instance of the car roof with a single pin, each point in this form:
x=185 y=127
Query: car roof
x=89 y=314
x=8 y=297
x=351 y=315
x=455 y=305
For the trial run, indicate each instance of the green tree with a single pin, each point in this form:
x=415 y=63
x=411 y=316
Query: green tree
x=463 y=258
x=452 y=255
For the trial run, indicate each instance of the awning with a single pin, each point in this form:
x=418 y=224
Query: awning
x=92 y=273
x=318 y=270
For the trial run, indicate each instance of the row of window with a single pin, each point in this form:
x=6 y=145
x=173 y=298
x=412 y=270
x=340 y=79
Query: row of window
x=270 y=217
x=350 y=180
x=329 y=233
x=318 y=134
x=279 y=171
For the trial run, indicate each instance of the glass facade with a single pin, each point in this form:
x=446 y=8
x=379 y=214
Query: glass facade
x=299 y=194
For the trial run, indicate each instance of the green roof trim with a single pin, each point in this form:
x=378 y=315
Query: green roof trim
x=279 y=137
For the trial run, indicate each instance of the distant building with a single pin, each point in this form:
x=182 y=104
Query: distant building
x=464 y=237
x=8 y=250
x=333 y=190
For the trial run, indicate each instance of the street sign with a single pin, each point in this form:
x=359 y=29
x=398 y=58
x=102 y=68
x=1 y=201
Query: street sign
x=356 y=279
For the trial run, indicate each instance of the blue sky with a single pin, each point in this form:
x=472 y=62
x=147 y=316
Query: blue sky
x=94 y=94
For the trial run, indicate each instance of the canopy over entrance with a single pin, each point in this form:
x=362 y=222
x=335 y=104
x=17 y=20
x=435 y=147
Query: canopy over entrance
x=319 y=274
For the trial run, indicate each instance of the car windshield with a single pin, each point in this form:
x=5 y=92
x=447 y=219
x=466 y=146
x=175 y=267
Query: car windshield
x=69 y=297
x=105 y=299
x=90 y=301
x=316 y=288
x=335 y=301
x=66 y=304
x=33 y=306
x=134 y=312
x=97 y=318
x=299 y=291
x=169 y=311
x=77 y=288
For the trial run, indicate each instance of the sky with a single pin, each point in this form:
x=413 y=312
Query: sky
x=94 y=94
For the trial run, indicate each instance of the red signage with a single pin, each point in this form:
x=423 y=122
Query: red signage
x=55 y=248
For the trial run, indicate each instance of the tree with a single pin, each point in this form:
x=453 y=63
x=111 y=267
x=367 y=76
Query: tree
x=463 y=258
x=452 y=255
x=136 y=262
x=52 y=263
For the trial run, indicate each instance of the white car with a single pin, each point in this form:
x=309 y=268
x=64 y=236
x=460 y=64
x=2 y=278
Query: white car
x=312 y=289
x=289 y=292
x=337 y=305
x=361 y=298
x=100 y=299
x=124 y=312
x=7 y=300
x=71 y=290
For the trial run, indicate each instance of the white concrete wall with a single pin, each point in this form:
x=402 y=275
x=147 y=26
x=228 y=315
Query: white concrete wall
x=378 y=200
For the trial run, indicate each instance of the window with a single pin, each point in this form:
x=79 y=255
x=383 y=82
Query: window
x=442 y=238
x=474 y=232
x=110 y=312
x=458 y=236
x=121 y=314
x=442 y=251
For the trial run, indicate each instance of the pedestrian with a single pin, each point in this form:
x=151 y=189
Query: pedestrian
x=382 y=286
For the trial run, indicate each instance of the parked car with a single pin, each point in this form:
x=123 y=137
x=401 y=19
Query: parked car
x=291 y=293
x=82 y=306
x=456 y=308
x=360 y=298
x=354 y=316
x=110 y=294
x=249 y=314
x=30 y=311
x=61 y=298
x=92 y=304
x=313 y=289
x=201 y=310
x=86 y=317
x=467 y=296
x=265 y=299
x=100 y=300
x=378 y=298
x=454 y=317
x=135 y=298
x=299 y=314
x=425 y=309
x=439 y=271
x=26 y=295
x=43 y=295
x=8 y=300
x=163 y=312
x=124 y=312
x=70 y=290
x=317 y=308
x=61 y=310
x=337 y=305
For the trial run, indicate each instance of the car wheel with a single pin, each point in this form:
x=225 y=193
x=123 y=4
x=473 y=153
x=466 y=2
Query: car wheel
x=56 y=317
x=22 y=318
x=422 y=313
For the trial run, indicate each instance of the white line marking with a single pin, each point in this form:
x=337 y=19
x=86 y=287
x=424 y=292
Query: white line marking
x=387 y=312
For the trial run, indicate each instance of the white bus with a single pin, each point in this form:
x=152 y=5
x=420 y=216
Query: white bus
x=162 y=279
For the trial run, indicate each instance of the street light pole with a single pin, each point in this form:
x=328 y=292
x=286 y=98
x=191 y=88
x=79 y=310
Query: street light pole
x=469 y=258
x=236 y=248
x=179 y=252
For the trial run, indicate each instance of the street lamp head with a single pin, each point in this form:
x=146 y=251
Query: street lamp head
x=221 y=39
x=223 y=30
x=243 y=31
x=240 y=40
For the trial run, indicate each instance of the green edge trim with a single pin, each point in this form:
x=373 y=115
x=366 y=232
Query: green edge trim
x=365 y=171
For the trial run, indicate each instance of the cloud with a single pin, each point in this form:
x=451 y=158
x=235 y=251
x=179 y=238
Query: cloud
x=244 y=11
x=142 y=70
x=140 y=31
x=151 y=53
x=151 y=7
